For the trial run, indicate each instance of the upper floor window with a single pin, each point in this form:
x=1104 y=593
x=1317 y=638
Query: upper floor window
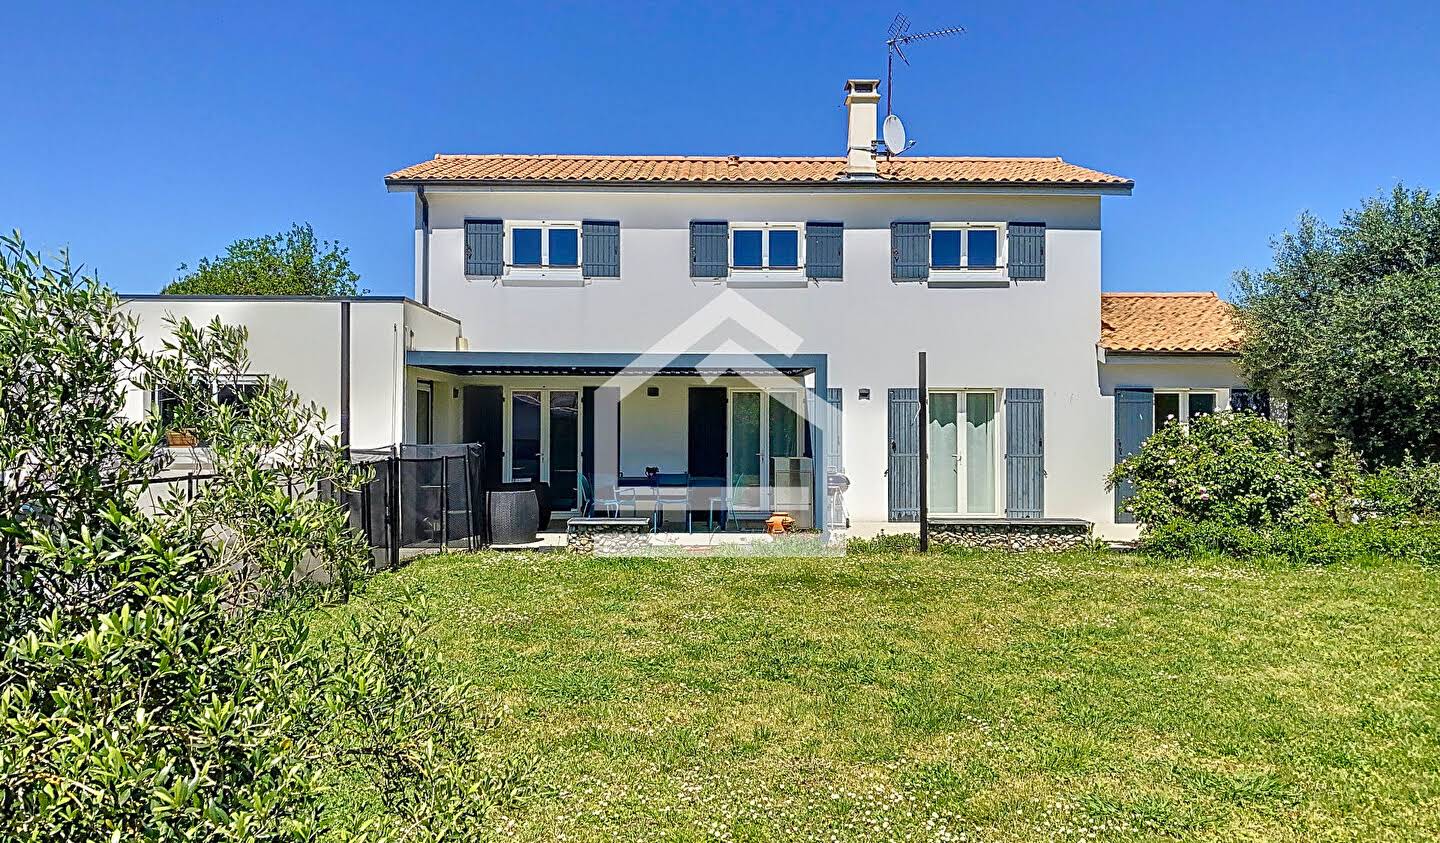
x=544 y=244
x=767 y=253
x=965 y=246
x=967 y=254
x=765 y=246
x=542 y=250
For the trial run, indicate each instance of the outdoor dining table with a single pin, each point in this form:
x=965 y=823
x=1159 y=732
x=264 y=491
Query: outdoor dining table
x=700 y=492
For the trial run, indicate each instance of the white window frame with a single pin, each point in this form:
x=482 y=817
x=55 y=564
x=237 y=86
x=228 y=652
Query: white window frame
x=964 y=271
x=765 y=272
x=544 y=272
x=997 y=450
x=1184 y=394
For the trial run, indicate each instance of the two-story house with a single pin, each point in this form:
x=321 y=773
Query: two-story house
x=735 y=319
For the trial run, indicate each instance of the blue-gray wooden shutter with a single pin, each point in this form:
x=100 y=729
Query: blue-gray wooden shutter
x=825 y=250
x=1134 y=422
x=1025 y=453
x=834 y=425
x=484 y=247
x=910 y=253
x=903 y=472
x=600 y=248
x=834 y=420
x=1027 y=250
x=709 y=249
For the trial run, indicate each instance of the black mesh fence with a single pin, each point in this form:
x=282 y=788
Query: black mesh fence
x=421 y=498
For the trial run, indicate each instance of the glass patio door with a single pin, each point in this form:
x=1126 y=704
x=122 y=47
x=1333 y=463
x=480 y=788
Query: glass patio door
x=747 y=448
x=545 y=442
x=945 y=456
x=763 y=424
x=525 y=423
x=962 y=449
x=562 y=457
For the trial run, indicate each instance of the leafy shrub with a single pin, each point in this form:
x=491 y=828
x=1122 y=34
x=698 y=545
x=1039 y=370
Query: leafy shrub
x=883 y=543
x=1227 y=469
x=1407 y=491
x=157 y=676
x=418 y=737
x=1313 y=543
x=1181 y=538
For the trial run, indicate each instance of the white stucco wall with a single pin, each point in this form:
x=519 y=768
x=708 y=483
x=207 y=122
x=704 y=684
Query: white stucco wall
x=1034 y=335
x=1028 y=334
x=299 y=340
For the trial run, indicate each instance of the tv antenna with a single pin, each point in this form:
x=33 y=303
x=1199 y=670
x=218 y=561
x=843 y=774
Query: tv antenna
x=900 y=35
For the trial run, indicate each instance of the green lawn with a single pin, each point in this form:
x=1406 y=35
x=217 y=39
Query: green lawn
x=947 y=697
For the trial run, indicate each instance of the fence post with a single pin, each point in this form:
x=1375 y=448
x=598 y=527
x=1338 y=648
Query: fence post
x=444 y=504
x=469 y=503
x=484 y=507
x=392 y=514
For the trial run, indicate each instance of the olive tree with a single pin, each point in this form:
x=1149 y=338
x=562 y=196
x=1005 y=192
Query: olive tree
x=1344 y=326
x=159 y=679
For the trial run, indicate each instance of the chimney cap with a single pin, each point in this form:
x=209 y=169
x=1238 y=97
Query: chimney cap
x=862 y=86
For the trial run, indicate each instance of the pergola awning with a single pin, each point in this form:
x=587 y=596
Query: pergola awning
x=604 y=364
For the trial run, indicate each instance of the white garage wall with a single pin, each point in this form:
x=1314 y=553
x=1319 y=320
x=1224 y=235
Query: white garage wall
x=298 y=339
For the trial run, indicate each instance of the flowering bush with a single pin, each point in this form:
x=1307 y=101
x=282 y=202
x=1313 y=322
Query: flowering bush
x=1229 y=468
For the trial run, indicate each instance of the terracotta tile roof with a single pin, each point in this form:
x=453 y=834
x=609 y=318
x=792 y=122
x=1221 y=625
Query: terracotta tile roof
x=1167 y=322
x=734 y=169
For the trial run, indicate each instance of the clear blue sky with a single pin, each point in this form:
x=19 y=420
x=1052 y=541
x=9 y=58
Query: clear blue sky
x=146 y=135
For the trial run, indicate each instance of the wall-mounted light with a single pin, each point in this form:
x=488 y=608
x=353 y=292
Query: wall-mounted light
x=864 y=393
x=652 y=391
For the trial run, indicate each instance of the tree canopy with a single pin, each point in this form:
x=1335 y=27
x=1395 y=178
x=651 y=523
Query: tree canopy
x=1345 y=327
x=290 y=263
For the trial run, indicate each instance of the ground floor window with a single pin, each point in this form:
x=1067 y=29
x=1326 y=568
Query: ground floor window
x=1254 y=401
x=235 y=393
x=1182 y=405
x=424 y=413
x=963 y=454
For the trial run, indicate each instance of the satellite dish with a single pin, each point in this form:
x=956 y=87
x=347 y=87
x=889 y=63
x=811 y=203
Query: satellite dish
x=894 y=133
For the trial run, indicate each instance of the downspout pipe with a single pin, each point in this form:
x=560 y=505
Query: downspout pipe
x=424 y=244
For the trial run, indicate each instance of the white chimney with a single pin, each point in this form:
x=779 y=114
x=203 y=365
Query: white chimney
x=862 y=98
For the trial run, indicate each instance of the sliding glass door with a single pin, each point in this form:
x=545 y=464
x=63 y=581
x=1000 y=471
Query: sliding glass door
x=963 y=455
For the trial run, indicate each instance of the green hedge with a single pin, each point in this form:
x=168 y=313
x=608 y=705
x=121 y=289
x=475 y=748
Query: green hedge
x=1316 y=543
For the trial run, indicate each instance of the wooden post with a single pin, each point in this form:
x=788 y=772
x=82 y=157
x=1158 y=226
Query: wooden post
x=924 y=474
